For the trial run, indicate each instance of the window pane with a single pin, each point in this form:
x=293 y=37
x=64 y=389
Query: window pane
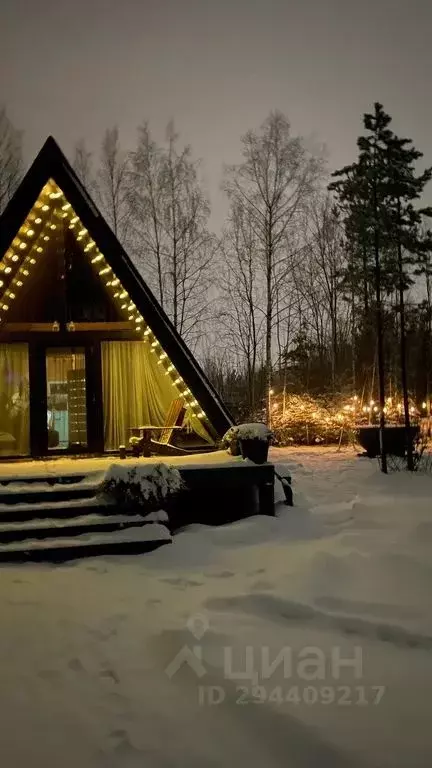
x=14 y=400
x=66 y=399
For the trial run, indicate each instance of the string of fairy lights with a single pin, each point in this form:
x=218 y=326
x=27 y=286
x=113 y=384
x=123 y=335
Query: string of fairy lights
x=50 y=213
x=355 y=408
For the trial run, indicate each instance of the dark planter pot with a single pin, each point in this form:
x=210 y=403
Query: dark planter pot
x=395 y=440
x=255 y=450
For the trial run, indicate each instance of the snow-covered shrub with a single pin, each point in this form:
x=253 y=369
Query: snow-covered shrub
x=148 y=486
x=306 y=420
x=230 y=441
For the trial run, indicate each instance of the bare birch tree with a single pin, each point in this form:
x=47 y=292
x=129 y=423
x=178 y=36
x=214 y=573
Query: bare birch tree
x=327 y=262
x=82 y=163
x=113 y=179
x=146 y=200
x=242 y=295
x=274 y=183
x=170 y=216
x=10 y=158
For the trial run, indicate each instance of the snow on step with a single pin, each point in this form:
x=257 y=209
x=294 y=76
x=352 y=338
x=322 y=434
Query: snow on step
x=83 y=520
x=25 y=506
x=146 y=533
x=48 y=485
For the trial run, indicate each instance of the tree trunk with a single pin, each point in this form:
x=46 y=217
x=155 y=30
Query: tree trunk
x=379 y=327
x=410 y=460
x=269 y=307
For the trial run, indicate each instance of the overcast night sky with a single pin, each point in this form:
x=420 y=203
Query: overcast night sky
x=72 y=69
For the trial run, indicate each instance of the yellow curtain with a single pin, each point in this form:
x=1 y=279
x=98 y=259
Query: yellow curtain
x=135 y=390
x=14 y=400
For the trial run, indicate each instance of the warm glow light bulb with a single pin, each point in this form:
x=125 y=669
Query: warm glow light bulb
x=38 y=221
x=15 y=257
x=30 y=233
x=23 y=246
x=8 y=269
x=45 y=207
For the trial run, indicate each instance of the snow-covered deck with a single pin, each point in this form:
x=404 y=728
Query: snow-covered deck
x=68 y=465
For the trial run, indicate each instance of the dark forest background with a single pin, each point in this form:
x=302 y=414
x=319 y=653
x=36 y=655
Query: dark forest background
x=280 y=307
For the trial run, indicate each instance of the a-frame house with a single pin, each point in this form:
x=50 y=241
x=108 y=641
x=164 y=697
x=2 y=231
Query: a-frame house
x=86 y=352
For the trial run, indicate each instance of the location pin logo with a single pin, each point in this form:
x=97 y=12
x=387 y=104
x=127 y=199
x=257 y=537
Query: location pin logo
x=198 y=625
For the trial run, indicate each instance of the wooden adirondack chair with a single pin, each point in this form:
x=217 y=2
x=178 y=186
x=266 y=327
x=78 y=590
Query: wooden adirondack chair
x=173 y=420
x=147 y=444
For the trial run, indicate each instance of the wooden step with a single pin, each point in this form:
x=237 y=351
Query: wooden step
x=124 y=541
x=53 y=527
x=47 y=508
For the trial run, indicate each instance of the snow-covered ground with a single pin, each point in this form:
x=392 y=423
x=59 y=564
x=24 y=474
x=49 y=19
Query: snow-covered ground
x=262 y=613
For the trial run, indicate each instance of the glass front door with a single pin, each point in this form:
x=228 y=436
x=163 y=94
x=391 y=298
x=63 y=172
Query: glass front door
x=66 y=399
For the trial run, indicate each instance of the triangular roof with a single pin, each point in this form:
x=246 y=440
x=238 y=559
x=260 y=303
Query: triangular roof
x=52 y=171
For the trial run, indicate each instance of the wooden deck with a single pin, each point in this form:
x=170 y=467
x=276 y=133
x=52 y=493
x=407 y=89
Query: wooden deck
x=67 y=465
x=53 y=510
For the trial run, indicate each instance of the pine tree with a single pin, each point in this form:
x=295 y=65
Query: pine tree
x=377 y=195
